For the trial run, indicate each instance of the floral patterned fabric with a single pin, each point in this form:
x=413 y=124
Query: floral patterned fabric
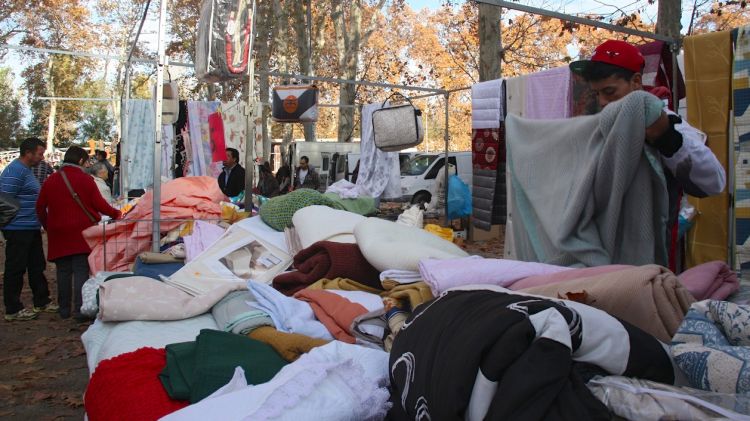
x=712 y=346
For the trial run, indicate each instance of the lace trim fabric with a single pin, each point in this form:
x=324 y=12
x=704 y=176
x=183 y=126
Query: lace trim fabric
x=374 y=403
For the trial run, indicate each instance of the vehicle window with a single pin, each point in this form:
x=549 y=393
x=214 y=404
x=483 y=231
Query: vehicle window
x=326 y=161
x=434 y=170
x=418 y=165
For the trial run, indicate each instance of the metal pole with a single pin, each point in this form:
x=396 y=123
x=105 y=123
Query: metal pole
x=446 y=164
x=576 y=19
x=250 y=111
x=731 y=186
x=125 y=112
x=159 y=96
x=675 y=49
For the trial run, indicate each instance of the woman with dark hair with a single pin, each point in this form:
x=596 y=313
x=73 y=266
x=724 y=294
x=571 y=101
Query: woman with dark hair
x=284 y=178
x=267 y=184
x=68 y=203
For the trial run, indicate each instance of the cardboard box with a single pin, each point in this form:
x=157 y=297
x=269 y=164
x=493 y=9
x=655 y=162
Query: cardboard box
x=476 y=234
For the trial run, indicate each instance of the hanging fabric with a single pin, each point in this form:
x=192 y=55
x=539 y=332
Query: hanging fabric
x=180 y=153
x=235 y=126
x=548 y=94
x=708 y=61
x=167 y=151
x=379 y=172
x=741 y=138
x=295 y=104
x=658 y=71
x=216 y=127
x=224 y=45
x=200 y=137
x=140 y=144
x=488 y=154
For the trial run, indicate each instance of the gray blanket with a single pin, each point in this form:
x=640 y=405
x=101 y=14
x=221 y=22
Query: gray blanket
x=589 y=191
x=237 y=313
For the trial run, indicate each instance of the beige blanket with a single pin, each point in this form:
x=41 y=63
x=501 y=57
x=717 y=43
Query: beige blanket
x=649 y=297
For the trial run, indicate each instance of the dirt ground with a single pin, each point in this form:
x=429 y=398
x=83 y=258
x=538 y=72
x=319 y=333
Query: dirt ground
x=43 y=371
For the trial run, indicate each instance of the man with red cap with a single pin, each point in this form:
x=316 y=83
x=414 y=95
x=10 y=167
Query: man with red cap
x=615 y=70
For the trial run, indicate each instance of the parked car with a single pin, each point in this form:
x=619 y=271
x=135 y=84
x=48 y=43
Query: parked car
x=418 y=176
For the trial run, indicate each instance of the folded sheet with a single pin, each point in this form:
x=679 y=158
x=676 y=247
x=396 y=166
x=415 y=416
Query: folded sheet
x=238 y=313
x=712 y=280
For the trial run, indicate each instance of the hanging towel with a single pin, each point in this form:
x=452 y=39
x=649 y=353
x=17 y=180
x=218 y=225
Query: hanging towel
x=708 y=63
x=516 y=104
x=587 y=190
x=235 y=125
x=139 y=146
x=487 y=104
x=548 y=94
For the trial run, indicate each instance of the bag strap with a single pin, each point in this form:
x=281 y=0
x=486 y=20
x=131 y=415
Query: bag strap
x=75 y=196
x=398 y=94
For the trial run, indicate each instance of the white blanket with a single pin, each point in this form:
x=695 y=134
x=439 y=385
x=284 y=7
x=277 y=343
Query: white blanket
x=321 y=223
x=105 y=340
x=379 y=172
x=487 y=104
x=335 y=382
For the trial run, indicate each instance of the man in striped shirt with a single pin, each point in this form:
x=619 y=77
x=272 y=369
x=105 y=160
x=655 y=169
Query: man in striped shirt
x=24 y=251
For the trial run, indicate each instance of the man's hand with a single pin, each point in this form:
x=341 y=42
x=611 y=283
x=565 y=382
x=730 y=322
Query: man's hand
x=657 y=130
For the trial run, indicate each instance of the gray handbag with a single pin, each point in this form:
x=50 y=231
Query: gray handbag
x=397 y=127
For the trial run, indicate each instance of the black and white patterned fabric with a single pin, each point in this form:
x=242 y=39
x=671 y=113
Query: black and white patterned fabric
x=492 y=354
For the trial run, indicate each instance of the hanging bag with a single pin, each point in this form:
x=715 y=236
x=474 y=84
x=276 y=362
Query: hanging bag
x=397 y=127
x=295 y=104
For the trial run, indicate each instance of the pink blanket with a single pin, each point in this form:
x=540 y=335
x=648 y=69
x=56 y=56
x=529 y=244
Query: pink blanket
x=181 y=199
x=441 y=275
x=553 y=278
x=712 y=280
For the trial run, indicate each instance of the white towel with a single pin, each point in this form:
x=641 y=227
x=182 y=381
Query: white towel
x=401 y=276
x=487 y=104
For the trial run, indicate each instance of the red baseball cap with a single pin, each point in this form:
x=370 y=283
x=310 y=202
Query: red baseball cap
x=616 y=53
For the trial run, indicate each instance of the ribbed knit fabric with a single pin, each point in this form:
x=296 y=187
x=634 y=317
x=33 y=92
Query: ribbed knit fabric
x=127 y=387
x=329 y=260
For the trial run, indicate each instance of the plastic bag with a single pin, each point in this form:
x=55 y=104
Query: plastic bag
x=9 y=207
x=459 y=198
x=413 y=217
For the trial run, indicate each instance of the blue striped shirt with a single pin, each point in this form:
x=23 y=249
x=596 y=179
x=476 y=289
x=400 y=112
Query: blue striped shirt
x=18 y=181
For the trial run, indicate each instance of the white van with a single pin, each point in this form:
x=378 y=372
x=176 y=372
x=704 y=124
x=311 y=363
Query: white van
x=418 y=176
x=325 y=158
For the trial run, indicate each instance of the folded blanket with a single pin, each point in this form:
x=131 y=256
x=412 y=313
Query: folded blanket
x=343 y=284
x=236 y=313
x=400 y=276
x=442 y=275
x=290 y=346
x=278 y=211
x=588 y=191
x=150 y=257
x=141 y=298
x=388 y=245
x=409 y=295
x=487 y=104
x=128 y=387
x=712 y=347
x=649 y=297
x=329 y=260
x=210 y=364
x=568 y=275
x=714 y=280
x=90 y=291
x=335 y=382
x=492 y=354
x=334 y=311
x=289 y=314
x=321 y=223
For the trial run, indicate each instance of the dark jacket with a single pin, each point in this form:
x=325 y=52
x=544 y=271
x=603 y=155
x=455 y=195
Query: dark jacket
x=236 y=184
x=312 y=181
x=267 y=185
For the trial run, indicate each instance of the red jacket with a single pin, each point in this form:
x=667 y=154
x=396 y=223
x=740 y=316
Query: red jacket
x=63 y=218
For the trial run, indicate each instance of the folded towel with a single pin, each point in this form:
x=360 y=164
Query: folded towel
x=237 y=313
x=334 y=311
x=442 y=275
x=714 y=280
x=409 y=295
x=400 y=276
x=329 y=260
x=289 y=345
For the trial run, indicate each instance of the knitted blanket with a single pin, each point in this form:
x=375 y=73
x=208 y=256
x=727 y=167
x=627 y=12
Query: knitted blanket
x=587 y=190
x=277 y=213
x=326 y=259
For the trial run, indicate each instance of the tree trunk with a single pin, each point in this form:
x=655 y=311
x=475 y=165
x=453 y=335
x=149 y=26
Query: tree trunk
x=490 y=42
x=302 y=32
x=668 y=18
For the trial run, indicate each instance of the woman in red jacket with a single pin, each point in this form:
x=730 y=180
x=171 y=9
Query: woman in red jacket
x=68 y=203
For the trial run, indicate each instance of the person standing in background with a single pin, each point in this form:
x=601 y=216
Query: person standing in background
x=42 y=170
x=24 y=252
x=70 y=202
